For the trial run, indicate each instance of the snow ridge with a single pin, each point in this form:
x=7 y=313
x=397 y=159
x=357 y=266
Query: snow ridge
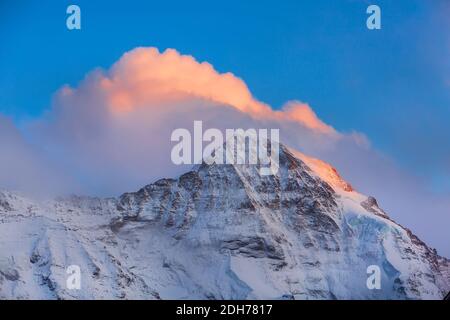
x=217 y=232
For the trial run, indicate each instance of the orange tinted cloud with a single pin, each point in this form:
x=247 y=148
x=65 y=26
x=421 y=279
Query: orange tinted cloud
x=302 y=113
x=115 y=124
x=146 y=78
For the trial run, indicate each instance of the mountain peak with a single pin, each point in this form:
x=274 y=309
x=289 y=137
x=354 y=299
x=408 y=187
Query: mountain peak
x=325 y=171
x=219 y=231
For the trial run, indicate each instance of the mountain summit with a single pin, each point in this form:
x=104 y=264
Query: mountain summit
x=218 y=232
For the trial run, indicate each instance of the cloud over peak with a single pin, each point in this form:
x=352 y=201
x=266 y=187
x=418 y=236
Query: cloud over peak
x=111 y=133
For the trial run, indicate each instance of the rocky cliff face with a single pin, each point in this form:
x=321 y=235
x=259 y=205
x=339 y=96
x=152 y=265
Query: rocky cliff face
x=218 y=232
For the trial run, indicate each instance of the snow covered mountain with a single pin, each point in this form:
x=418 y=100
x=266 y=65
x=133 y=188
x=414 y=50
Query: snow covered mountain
x=217 y=232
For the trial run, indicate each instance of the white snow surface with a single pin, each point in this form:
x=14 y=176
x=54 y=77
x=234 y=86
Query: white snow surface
x=217 y=232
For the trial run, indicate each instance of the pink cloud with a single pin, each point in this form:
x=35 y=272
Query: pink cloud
x=116 y=124
x=146 y=78
x=111 y=124
x=302 y=113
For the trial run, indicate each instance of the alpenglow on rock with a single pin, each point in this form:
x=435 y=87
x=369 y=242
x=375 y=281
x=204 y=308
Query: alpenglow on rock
x=217 y=232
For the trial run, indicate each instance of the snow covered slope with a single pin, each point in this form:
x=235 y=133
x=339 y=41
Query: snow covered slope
x=217 y=232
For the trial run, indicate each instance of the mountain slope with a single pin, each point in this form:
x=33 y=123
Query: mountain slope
x=218 y=232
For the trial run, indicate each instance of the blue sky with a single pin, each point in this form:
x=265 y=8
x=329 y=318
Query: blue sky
x=391 y=84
